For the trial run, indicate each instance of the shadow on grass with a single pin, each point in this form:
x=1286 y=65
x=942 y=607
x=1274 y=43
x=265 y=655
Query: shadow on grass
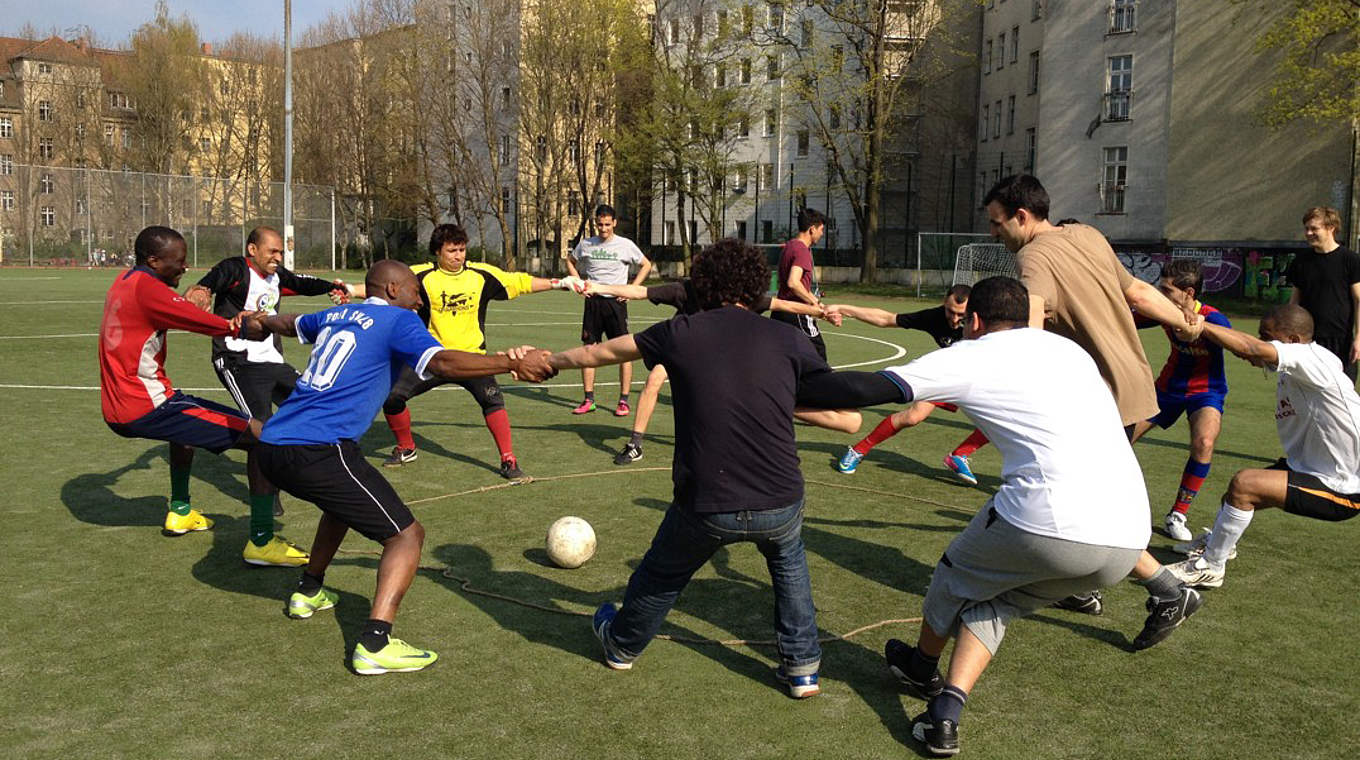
x=866 y=673
x=891 y=460
x=1072 y=622
x=91 y=499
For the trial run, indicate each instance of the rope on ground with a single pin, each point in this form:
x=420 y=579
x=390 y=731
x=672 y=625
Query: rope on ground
x=530 y=479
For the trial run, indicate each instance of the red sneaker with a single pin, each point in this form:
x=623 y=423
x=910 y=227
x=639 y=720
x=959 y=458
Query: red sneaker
x=622 y=409
x=586 y=406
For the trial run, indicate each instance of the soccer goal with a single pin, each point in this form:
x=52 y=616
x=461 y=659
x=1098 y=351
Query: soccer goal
x=978 y=261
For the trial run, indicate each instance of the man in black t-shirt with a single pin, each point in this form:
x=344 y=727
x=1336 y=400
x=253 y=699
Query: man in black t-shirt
x=736 y=378
x=1326 y=280
x=944 y=323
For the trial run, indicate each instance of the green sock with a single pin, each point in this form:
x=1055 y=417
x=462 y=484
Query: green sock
x=261 y=518
x=179 y=488
x=180 y=508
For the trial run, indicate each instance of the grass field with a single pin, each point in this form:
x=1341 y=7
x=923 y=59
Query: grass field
x=118 y=642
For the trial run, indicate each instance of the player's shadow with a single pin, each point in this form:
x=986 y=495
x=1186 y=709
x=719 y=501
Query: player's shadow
x=1072 y=621
x=866 y=673
x=1148 y=440
x=601 y=437
x=891 y=460
x=379 y=441
x=542 y=395
x=90 y=497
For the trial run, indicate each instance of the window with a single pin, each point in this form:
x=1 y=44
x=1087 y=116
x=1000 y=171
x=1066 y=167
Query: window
x=80 y=131
x=6 y=126
x=573 y=204
x=505 y=149
x=2 y=89
x=120 y=100
x=204 y=144
x=675 y=31
x=44 y=68
x=1119 y=88
x=746 y=71
x=505 y=199
x=771 y=122
x=108 y=134
x=1114 y=179
x=996 y=121
x=6 y=200
x=837 y=57
x=45 y=148
x=541 y=148
x=1010 y=115
x=748 y=20
x=1122 y=16
x=204 y=115
x=743 y=127
x=985 y=120
x=766 y=231
x=1036 y=10
x=574 y=151
x=987 y=57
x=739 y=184
x=1031 y=144
x=45 y=184
x=806 y=37
x=1015 y=44
x=803 y=140
x=724 y=25
x=698 y=26
x=505 y=98
x=127 y=138
x=833 y=117
x=599 y=152
x=49 y=216
x=1001 y=51
x=6 y=164
x=766 y=176
x=1033 y=72
x=771 y=68
x=80 y=206
x=44 y=110
x=741 y=230
x=722 y=75
x=776 y=17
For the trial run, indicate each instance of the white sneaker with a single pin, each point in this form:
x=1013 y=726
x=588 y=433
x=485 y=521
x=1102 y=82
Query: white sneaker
x=1196 y=572
x=1196 y=547
x=1175 y=526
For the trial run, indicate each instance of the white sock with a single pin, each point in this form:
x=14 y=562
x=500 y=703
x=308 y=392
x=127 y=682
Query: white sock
x=1228 y=528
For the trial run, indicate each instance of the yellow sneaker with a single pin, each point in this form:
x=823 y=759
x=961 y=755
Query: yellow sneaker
x=276 y=553
x=178 y=525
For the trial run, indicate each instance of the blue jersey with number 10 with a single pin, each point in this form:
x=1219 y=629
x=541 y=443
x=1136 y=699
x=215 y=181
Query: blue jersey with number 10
x=359 y=350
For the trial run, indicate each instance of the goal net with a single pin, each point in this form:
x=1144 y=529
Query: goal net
x=978 y=261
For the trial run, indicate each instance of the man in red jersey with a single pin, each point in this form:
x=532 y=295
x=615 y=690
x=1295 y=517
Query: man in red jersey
x=138 y=399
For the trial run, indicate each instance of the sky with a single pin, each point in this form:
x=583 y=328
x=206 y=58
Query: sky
x=113 y=21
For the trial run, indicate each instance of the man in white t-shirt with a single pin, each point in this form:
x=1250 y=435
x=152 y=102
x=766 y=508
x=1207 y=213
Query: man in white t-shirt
x=1071 y=514
x=1317 y=414
x=605 y=259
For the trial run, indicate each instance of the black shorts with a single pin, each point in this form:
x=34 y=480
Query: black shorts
x=337 y=478
x=806 y=325
x=188 y=421
x=1307 y=496
x=409 y=385
x=603 y=317
x=256 y=387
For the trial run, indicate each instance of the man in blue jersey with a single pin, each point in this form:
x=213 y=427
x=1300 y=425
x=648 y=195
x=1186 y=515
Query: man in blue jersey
x=309 y=447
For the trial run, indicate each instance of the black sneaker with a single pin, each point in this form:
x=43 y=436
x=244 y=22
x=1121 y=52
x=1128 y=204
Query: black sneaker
x=898 y=654
x=941 y=740
x=1165 y=617
x=278 y=506
x=1087 y=604
x=400 y=457
x=510 y=470
x=631 y=453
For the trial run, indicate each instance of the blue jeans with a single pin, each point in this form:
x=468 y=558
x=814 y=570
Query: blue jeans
x=686 y=540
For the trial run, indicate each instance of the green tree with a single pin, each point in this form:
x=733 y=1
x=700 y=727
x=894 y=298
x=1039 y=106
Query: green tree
x=1317 y=76
x=162 y=78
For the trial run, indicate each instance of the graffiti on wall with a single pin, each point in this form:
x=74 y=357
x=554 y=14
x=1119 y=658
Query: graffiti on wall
x=1222 y=266
x=1265 y=278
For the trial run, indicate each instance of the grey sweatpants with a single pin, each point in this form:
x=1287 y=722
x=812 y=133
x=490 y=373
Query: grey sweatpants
x=993 y=573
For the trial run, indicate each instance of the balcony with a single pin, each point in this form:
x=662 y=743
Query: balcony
x=1117 y=105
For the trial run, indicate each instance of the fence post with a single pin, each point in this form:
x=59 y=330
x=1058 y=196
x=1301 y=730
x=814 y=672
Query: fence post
x=332 y=229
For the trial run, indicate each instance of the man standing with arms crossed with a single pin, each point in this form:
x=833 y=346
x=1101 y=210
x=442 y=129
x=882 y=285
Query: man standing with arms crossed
x=796 y=281
x=1326 y=282
x=605 y=259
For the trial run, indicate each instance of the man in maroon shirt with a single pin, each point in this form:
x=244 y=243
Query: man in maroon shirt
x=795 y=276
x=139 y=401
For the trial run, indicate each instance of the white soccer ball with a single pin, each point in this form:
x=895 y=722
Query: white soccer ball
x=571 y=541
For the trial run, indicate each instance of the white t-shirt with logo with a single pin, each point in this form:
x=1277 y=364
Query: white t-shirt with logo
x=1317 y=413
x=263 y=295
x=1068 y=470
x=606 y=261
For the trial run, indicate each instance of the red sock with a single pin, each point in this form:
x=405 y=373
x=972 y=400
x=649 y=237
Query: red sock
x=1192 y=479
x=883 y=432
x=973 y=442
x=498 y=422
x=401 y=428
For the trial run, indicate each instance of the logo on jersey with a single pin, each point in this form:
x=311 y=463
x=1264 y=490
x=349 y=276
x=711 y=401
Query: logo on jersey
x=1285 y=409
x=267 y=302
x=456 y=302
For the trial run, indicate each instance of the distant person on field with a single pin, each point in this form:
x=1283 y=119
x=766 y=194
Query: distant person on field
x=797 y=276
x=1326 y=280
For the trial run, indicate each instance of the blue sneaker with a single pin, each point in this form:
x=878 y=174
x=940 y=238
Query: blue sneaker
x=604 y=616
x=959 y=466
x=800 y=687
x=849 y=461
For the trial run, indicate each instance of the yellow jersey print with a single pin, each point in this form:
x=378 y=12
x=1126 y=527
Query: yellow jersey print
x=453 y=306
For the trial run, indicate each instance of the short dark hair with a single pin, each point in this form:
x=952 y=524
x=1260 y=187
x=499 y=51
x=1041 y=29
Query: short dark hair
x=444 y=234
x=1000 y=299
x=604 y=209
x=730 y=271
x=1019 y=191
x=259 y=232
x=1291 y=318
x=152 y=241
x=809 y=218
x=959 y=293
x=1067 y=221
x=1184 y=273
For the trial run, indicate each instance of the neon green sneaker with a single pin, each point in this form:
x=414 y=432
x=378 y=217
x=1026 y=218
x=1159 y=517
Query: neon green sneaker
x=301 y=607
x=276 y=553
x=178 y=525
x=396 y=657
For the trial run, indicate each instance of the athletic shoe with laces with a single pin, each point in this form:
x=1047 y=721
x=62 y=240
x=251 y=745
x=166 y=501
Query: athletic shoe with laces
x=600 y=623
x=622 y=410
x=1165 y=617
x=277 y=553
x=941 y=740
x=400 y=457
x=178 y=525
x=1197 y=573
x=959 y=466
x=301 y=606
x=510 y=469
x=586 y=406
x=800 y=687
x=898 y=654
x=396 y=657
x=1174 y=522
x=849 y=461
x=631 y=453
x=1196 y=547
x=1091 y=603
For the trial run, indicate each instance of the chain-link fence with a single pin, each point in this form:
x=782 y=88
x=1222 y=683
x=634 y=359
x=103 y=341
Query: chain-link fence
x=54 y=216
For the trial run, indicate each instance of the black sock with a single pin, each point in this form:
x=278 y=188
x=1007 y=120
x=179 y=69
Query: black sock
x=947 y=706
x=1163 y=586
x=590 y=395
x=623 y=398
x=374 y=634
x=636 y=439
x=310 y=584
x=922 y=666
